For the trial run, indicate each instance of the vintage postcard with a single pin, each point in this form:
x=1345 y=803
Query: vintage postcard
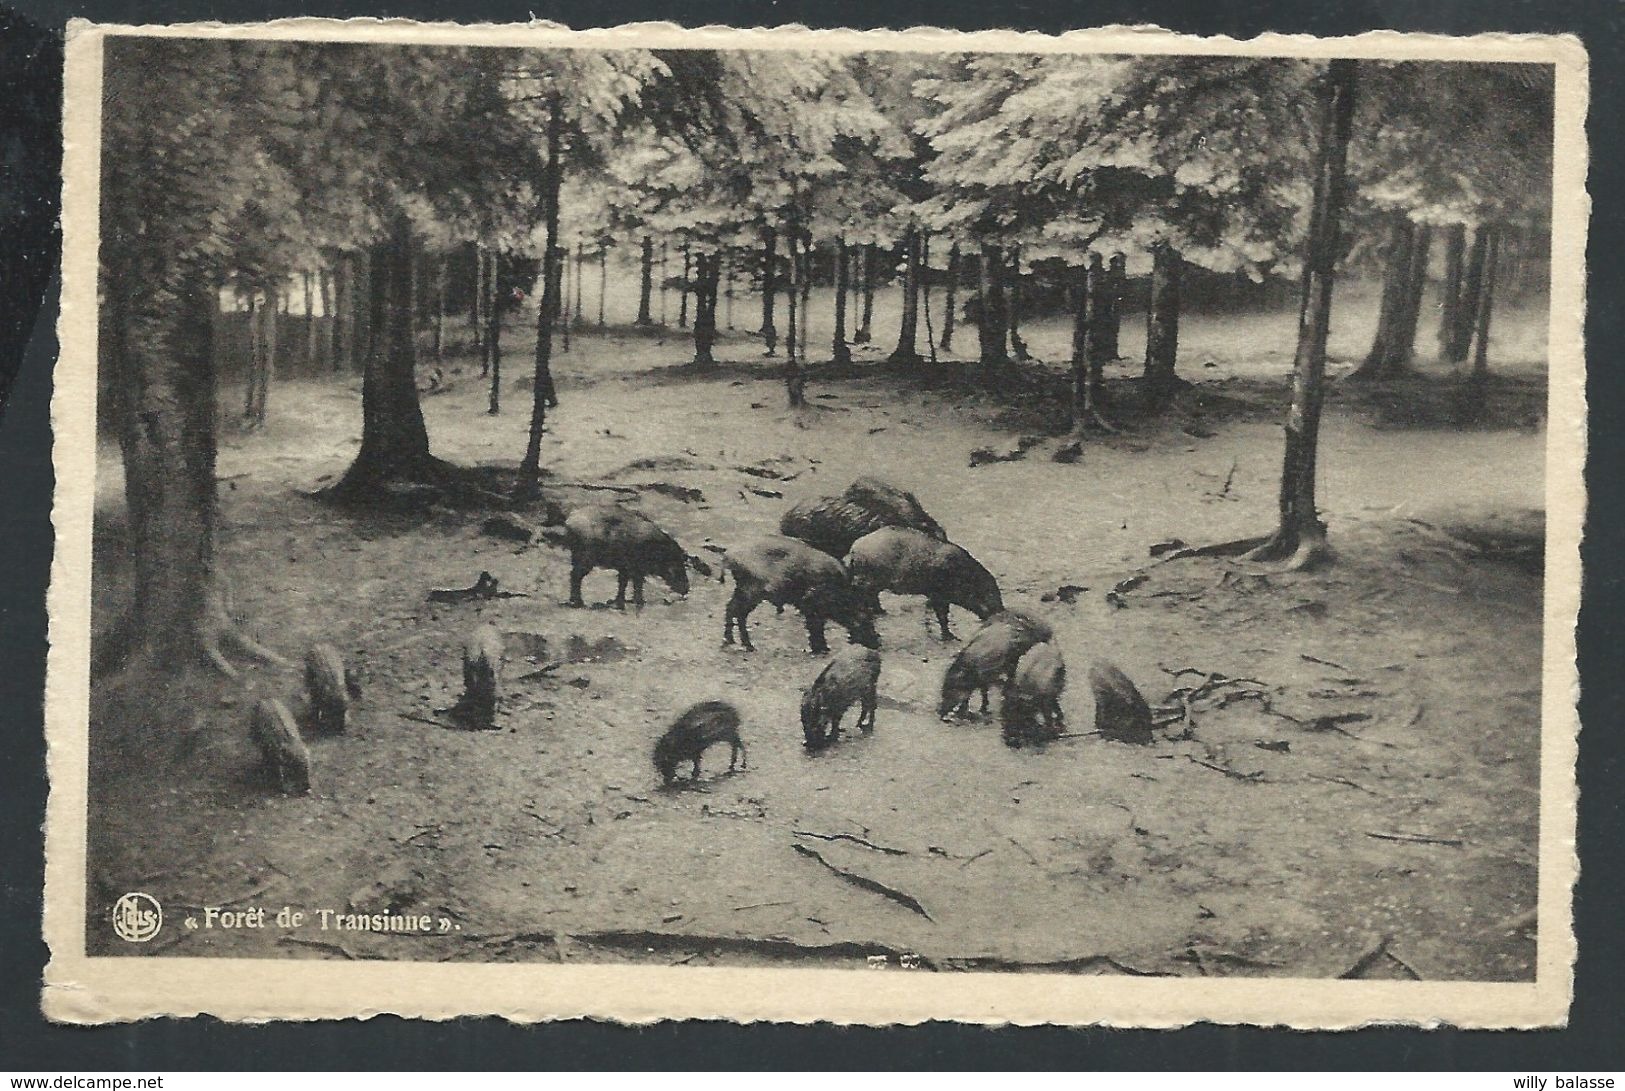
x=816 y=526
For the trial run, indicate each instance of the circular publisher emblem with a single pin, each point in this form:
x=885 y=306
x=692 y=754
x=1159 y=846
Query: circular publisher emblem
x=137 y=917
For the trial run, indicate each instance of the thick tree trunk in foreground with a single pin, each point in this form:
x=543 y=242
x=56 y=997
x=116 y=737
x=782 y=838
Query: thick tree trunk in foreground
x=394 y=441
x=951 y=303
x=708 y=275
x=1160 y=380
x=646 y=262
x=795 y=382
x=925 y=295
x=992 y=333
x=543 y=395
x=865 y=333
x=770 y=336
x=1301 y=535
x=841 y=352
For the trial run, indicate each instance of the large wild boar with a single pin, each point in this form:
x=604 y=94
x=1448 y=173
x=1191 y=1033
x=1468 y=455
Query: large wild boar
x=833 y=523
x=906 y=562
x=608 y=536
x=787 y=572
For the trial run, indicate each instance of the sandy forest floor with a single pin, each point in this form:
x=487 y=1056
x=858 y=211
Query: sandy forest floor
x=1259 y=845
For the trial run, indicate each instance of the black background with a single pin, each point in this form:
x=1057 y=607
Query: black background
x=1593 y=1039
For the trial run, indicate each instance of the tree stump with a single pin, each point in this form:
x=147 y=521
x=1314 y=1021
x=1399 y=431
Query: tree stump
x=327 y=691
x=286 y=759
x=482 y=678
x=1121 y=713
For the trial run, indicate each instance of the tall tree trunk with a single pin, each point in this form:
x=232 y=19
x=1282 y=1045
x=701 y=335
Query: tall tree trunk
x=770 y=336
x=795 y=382
x=1301 y=535
x=361 y=337
x=708 y=274
x=865 y=331
x=394 y=441
x=493 y=336
x=1472 y=288
x=729 y=292
x=925 y=295
x=950 y=304
x=1111 y=307
x=1450 y=292
x=309 y=284
x=564 y=288
x=841 y=352
x=1085 y=328
x=1396 y=278
x=682 y=306
x=663 y=279
x=992 y=332
x=476 y=307
x=267 y=356
x=544 y=397
x=907 y=351
x=324 y=288
x=576 y=319
x=161 y=376
x=1160 y=380
x=1486 y=302
x=256 y=360
x=440 y=309
x=806 y=289
x=488 y=310
x=646 y=284
x=1018 y=347
x=1403 y=346
x=603 y=281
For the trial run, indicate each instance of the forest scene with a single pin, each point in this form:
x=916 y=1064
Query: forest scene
x=977 y=512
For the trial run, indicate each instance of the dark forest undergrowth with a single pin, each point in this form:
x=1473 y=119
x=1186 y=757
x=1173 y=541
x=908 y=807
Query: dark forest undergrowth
x=1376 y=777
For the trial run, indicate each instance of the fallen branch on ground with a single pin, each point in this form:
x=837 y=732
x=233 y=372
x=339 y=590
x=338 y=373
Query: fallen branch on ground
x=1415 y=838
x=1250 y=778
x=853 y=839
x=1367 y=961
x=907 y=901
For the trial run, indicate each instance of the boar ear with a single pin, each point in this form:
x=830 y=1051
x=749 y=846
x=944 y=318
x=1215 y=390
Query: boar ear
x=697 y=565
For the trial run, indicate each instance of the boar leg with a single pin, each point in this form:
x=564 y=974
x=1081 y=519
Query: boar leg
x=637 y=590
x=578 y=572
x=941 y=609
x=620 y=591
x=696 y=775
x=739 y=607
x=815 y=635
x=867 y=720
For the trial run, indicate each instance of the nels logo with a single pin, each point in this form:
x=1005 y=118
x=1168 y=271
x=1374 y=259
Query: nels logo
x=137 y=917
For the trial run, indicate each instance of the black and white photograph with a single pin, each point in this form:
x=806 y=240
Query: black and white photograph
x=795 y=525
